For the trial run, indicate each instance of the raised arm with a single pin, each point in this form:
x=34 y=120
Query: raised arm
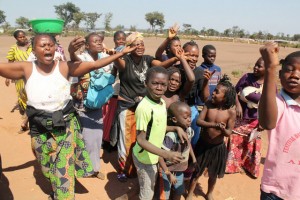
x=190 y=76
x=160 y=50
x=166 y=63
x=74 y=46
x=204 y=94
x=267 y=105
x=15 y=70
x=81 y=68
x=171 y=34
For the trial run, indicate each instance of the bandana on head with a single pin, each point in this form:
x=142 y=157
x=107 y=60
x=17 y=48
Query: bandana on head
x=133 y=37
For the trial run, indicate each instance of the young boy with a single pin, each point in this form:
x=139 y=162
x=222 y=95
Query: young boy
x=179 y=114
x=209 y=54
x=217 y=121
x=280 y=115
x=151 y=123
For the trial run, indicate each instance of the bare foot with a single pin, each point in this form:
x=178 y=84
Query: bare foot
x=209 y=196
x=189 y=197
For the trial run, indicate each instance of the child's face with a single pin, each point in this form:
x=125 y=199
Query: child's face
x=193 y=56
x=183 y=117
x=157 y=86
x=44 y=49
x=175 y=44
x=290 y=76
x=120 y=40
x=140 y=48
x=259 y=68
x=218 y=96
x=174 y=82
x=95 y=44
x=209 y=56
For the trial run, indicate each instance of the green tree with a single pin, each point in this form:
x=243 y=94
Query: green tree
x=22 y=22
x=241 y=33
x=119 y=27
x=78 y=17
x=6 y=26
x=227 y=32
x=155 y=19
x=187 y=28
x=2 y=17
x=107 y=21
x=66 y=11
x=203 y=31
x=296 y=37
x=132 y=28
x=91 y=18
x=212 y=32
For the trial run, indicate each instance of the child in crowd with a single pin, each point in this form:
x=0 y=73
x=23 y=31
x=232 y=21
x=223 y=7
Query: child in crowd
x=200 y=88
x=217 y=121
x=56 y=138
x=209 y=54
x=171 y=175
x=280 y=115
x=151 y=123
x=169 y=45
x=176 y=91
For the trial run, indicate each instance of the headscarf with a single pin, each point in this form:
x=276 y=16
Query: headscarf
x=133 y=37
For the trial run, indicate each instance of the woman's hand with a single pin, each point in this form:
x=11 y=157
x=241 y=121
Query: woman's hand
x=76 y=44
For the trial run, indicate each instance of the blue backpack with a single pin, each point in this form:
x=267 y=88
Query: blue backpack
x=100 y=89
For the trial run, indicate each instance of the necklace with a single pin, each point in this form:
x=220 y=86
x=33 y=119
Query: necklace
x=140 y=72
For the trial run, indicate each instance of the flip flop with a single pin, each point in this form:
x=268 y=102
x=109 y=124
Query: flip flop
x=100 y=175
x=122 y=178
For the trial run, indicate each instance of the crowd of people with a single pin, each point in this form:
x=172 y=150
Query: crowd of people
x=170 y=120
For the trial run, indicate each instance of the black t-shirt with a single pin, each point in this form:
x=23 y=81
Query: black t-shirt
x=191 y=98
x=132 y=78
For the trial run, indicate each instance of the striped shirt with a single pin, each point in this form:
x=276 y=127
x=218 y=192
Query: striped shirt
x=16 y=54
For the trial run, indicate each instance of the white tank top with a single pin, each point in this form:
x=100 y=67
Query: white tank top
x=47 y=92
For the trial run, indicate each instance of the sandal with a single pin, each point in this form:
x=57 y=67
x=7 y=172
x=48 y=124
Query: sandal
x=122 y=178
x=99 y=175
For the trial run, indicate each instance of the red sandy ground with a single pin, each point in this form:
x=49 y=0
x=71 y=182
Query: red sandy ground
x=24 y=180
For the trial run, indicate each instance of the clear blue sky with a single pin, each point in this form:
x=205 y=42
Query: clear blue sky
x=271 y=16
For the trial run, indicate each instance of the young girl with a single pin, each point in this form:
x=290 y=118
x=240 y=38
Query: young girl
x=200 y=88
x=242 y=152
x=280 y=114
x=217 y=121
x=177 y=92
x=55 y=132
x=169 y=45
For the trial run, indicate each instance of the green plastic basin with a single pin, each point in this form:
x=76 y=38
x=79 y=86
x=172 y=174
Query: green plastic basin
x=47 y=25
